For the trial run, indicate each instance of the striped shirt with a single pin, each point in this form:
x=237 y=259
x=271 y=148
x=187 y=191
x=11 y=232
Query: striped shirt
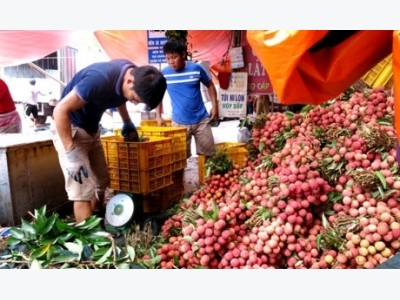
x=183 y=87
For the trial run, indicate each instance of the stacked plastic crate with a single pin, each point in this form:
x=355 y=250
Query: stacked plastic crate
x=166 y=197
x=138 y=167
x=178 y=135
x=152 y=122
x=147 y=170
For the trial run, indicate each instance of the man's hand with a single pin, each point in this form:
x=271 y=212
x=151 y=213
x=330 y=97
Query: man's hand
x=160 y=122
x=214 y=113
x=129 y=132
x=75 y=166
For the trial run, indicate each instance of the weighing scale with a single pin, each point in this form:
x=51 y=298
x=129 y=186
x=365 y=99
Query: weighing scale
x=120 y=210
x=123 y=208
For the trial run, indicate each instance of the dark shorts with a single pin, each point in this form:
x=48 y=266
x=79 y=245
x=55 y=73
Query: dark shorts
x=31 y=109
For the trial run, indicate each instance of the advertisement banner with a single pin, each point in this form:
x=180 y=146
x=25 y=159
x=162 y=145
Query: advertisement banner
x=232 y=101
x=258 y=80
x=155 y=41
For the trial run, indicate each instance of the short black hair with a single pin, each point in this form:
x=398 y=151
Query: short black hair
x=150 y=85
x=32 y=81
x=174 y=46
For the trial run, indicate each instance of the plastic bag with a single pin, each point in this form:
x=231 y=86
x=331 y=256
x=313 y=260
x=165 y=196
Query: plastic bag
x=10 y=122
x=243 y=135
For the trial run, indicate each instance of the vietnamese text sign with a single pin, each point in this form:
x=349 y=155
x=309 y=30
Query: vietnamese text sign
x=155 y=41
x=232 y=101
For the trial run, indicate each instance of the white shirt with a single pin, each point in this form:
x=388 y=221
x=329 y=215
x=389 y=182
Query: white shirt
x=33 y=98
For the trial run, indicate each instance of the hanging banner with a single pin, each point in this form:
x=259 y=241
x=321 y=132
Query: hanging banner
x=155 y=41
x=232 y=101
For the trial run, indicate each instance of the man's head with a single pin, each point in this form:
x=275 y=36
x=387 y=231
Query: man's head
x=175 y=53
x=32 y=81
x=144 y=84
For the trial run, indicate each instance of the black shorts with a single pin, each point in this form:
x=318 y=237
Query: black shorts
x=31 y=109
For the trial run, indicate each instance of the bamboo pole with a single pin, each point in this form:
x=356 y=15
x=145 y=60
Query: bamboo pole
x=32 y=65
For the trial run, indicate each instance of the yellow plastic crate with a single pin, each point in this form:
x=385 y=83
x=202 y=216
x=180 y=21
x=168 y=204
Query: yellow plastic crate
x=238 y=155
x=237 y=151
x=165 y=197
x=140 y=182
x=178 y=156
x=179 y=165
x=137 y=163
x=137 y=156
x=226 y=145
x=138 y=167
x=381 y=74
x=154 y=122
x=178 y=135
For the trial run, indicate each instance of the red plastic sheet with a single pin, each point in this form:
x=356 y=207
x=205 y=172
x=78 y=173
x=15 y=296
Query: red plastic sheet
x=23 y=46
x=207 y=45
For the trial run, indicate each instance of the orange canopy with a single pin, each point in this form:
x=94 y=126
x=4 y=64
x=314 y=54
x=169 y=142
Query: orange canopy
x=313 y=66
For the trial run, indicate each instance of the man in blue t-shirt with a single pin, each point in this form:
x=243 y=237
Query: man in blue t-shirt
x=77 y=116
x=188 y=109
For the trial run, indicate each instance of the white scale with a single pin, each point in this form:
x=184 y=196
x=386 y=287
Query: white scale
x=119 y=210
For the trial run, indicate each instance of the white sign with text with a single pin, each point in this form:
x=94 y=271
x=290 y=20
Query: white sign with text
x=232 y=101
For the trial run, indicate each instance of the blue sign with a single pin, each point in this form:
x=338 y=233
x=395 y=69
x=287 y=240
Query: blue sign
x=155 y=41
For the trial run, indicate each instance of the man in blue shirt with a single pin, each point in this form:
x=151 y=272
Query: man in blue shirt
x=77 y=116
x=188 y=109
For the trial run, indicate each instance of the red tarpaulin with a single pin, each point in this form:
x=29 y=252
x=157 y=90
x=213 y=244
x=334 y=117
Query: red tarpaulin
x=22 y=46
x=206 y=45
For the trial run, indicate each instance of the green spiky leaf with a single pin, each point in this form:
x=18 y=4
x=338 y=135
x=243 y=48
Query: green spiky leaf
x=381 y=178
